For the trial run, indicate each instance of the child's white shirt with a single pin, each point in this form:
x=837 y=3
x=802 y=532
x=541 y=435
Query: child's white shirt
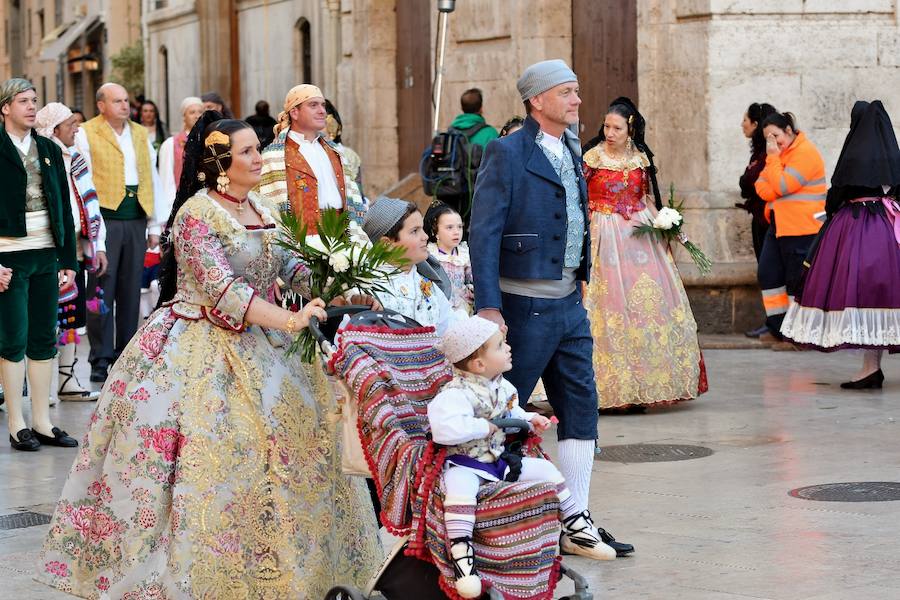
x=452 y=418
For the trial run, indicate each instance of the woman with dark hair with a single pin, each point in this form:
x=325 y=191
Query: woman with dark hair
x=645 y=338
x=793 y=186
x=213 y=101
x=209 y=469
x=512 y=126
x=751 y=125
x=150 y=119
x=851 y=294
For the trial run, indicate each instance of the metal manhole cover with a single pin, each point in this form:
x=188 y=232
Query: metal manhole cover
x=854 y=491
x=23 y=519
x=634 y=453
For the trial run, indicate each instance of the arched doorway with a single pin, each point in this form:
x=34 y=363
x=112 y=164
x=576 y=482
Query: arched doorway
x=604 y=51
x=164 y=77
x=413 y=82
x=303 y=51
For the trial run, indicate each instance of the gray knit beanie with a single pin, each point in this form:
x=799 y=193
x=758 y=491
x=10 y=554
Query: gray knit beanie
x=382 y=215
x=542 y=76
x=11 y=88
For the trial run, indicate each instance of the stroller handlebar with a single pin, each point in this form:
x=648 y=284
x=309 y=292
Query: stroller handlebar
x=520 y=424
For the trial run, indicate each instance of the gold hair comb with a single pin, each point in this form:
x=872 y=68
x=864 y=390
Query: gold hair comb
x=217 y=137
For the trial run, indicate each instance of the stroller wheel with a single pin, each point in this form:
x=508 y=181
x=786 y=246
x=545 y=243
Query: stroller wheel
x=344 y=593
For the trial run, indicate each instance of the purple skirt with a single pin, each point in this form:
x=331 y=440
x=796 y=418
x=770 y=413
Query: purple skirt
x=851 y=295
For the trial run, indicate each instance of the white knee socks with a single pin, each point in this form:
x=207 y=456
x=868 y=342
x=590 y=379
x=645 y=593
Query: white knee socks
x=13 y=375
x=576 y=459
x=40 y=375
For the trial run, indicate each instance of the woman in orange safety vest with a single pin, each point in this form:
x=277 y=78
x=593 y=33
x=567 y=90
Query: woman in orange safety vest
x=793 y=186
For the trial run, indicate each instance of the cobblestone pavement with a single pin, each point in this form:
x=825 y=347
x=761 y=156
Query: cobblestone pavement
x=719 y=527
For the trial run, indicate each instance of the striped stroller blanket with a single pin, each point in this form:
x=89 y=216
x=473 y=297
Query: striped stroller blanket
x=392 y=375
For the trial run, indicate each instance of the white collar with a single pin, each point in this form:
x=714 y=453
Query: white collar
x=300 y=138
x=126 y=130
x=25 y=139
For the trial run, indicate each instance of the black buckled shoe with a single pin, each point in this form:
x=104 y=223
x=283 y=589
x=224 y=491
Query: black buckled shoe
x=60 y=438
x=621 y=548
x=26 y=441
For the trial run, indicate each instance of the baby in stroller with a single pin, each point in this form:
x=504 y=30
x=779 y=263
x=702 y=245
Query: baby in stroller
x=460 y=418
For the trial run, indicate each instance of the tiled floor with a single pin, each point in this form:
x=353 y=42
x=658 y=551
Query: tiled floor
x=720 y=527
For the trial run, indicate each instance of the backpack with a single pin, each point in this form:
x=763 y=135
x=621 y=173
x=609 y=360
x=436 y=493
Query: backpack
x=449 y=166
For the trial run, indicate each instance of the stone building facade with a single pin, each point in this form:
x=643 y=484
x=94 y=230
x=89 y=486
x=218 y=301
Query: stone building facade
x=63 y=46
x=693 y=65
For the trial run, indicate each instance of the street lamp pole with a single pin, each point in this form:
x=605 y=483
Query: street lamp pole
x=445 y=7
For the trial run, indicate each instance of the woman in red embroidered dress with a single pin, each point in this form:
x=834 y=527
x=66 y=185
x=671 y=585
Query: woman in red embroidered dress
x=645 y=337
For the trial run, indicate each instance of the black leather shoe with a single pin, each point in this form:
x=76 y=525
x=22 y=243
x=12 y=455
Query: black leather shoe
x=621 y=548
x=99 y=373
x=26 y=442
x=755 y=333
x=60 y=438
x=872 y=381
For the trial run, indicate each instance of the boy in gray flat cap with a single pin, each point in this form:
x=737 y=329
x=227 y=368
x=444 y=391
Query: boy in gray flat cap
x=530 y=250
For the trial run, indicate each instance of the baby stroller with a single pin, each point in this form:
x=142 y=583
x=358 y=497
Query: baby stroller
x=389 y=368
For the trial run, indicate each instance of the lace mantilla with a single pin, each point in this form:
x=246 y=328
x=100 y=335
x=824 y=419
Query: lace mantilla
x=597 y=158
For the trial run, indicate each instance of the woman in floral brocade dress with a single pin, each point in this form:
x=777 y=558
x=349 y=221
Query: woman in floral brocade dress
x=209 y=471
x=645 y=337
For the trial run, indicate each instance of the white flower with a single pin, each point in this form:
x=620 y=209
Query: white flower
x=667 y=218
x=340 y=261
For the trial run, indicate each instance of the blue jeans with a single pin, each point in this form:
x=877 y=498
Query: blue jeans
x=551 y=339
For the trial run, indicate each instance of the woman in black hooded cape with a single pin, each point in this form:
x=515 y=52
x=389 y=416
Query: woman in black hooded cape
x=851 y=295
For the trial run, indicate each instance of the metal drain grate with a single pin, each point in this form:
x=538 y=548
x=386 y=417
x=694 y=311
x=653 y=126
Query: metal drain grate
x=23 y=519
x=854 y=491
x=635 y=453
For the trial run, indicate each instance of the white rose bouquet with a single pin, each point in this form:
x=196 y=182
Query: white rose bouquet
x=666 y=227
x=340 y=259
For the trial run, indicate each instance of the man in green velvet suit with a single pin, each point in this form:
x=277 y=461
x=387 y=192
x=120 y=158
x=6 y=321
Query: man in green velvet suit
x=38 y=261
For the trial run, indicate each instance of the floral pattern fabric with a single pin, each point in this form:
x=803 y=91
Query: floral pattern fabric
x=645 y=338
x=211 y=467
x=458 y=267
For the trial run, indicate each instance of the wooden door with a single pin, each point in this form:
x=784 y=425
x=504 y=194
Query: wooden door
x=413 y=82
x=604 y=47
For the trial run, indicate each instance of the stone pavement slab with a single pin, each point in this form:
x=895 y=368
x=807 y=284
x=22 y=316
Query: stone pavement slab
x=721 y=527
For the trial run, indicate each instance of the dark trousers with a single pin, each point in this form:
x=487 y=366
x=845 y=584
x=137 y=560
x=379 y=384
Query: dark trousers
x=780 y=273
x=28 y=306
x=126 y=243
x=551 y=340
x=758 y=231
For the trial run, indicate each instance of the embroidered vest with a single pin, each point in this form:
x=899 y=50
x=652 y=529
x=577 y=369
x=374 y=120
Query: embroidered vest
x=302 y=186
x=565 y=168
x=486 y=404
x=108 y=164
x=34 y=186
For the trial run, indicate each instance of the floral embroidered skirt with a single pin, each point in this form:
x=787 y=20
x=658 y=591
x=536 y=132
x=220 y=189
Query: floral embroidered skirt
x=209 y=470
x=645 y=337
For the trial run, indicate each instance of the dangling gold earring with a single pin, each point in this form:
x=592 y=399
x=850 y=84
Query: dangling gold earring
x=201 y=176
x=630 y=144
x=222 y=182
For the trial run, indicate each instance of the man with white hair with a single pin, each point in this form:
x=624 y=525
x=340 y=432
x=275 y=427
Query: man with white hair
x=302 y=172
x=56 y=122
x=37 y=264
x=121 y=159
